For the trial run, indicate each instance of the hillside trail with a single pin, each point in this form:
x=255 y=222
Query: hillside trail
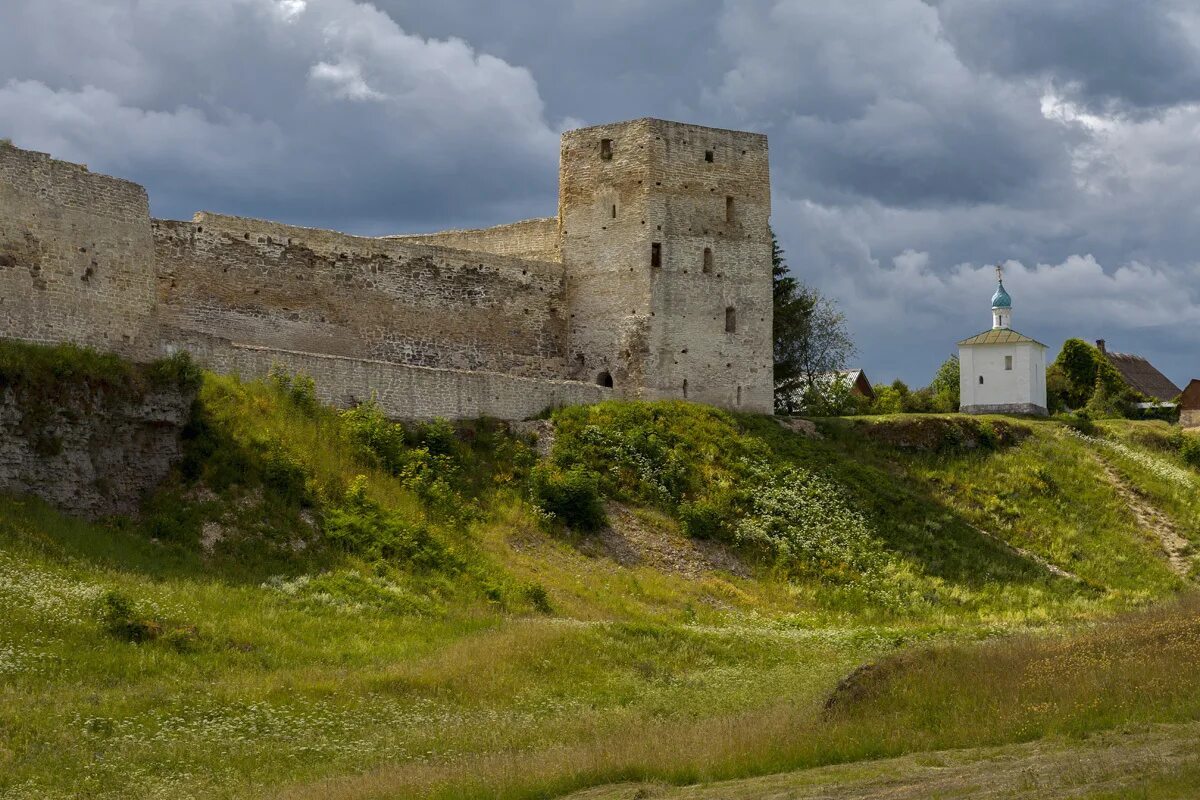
x=1113 y=764
x=1151 y=520
x=1029 y=555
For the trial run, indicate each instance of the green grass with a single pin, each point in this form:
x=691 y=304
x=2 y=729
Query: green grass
x=329 y=605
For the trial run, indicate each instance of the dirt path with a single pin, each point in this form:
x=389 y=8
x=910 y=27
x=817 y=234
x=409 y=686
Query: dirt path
x=1115 y=764
x=1049 y=566
x=1151 y=520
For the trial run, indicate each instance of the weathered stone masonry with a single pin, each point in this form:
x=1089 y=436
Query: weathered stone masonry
x=653 y=281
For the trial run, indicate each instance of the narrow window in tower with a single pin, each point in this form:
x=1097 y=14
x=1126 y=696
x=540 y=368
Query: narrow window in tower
x=730 y=320
x=614 y=211
x=606 y=149
x=981 y=380
x=708 y=156
x=655 y=254
x=685 y=388
x=1008 y=363
x=708 y=260
x=728 y=209
x=739 y=396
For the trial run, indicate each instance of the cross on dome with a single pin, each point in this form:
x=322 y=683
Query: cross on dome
x=1000 y=299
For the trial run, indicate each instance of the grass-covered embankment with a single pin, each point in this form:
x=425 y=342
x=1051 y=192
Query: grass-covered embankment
x=327 y=604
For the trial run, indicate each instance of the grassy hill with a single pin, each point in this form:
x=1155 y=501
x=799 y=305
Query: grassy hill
x=325 y=604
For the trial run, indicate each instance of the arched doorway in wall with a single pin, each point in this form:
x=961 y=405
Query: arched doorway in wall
x=605 y=379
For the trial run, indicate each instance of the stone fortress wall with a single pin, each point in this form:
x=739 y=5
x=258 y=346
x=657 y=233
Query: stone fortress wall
x=303 y=289
x=661 y=238
x=76 y=256
x=535 y=239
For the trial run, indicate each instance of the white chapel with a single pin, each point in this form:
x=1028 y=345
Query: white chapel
x=1002 y=371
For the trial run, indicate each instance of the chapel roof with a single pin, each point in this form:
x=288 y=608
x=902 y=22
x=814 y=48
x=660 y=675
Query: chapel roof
x=1001 y=299
x=1000 y=336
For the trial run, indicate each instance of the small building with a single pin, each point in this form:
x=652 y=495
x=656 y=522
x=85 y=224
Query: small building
x=856 y=379
x=1002 y=371
x=1141 y=376
x=1189 y=405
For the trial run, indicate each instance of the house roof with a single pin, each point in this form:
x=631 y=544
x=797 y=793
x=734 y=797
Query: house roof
x=1141 y=375
x=853 y=377
x=1191 y=396
x=1000 y=336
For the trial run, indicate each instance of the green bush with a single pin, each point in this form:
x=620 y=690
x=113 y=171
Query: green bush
x=300 y=390
x=438 y=437
x=1189 y=448
x=119 y=618
x=381 y=440
x=361 y=526
x=570 y=496
x=704 y=519
x=175 y=371
x=536 y=595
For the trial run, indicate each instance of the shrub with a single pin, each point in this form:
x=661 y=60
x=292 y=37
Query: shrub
x=536 y=595
x=119 y=618
x=704 y=519
x=571 y=496
x=361 y=526
x=380 y=439
x=438 y=437
x=299 y=389
x=175 y=371
x=1189 y=448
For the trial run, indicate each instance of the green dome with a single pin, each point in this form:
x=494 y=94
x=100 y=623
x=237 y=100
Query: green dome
x=1001 y=299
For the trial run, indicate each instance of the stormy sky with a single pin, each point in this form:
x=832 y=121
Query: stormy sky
x=913 y=144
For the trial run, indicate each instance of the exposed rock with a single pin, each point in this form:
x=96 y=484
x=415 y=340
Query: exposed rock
x=542 y=432
x=631 y=541
x=804 y=427
x=89 y=454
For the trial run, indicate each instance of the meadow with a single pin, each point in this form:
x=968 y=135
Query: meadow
x=328 y=604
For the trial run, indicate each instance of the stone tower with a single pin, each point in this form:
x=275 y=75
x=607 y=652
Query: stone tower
x=667 y=253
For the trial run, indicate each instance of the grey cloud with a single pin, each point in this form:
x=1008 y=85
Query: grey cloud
x=1105 y=53
x=878 y=105
x=324 y=112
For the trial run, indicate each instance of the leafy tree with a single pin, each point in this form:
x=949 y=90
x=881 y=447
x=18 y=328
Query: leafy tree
x=810 y=338
x=891 y=399
x=1080 y=373
x=1058 y=389
x=945 y=386
x=1078 y=363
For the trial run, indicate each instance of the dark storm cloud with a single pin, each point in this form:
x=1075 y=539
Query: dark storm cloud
x=880 y=106
x=913 y=143
x=316 y=112
x=1131 y=55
